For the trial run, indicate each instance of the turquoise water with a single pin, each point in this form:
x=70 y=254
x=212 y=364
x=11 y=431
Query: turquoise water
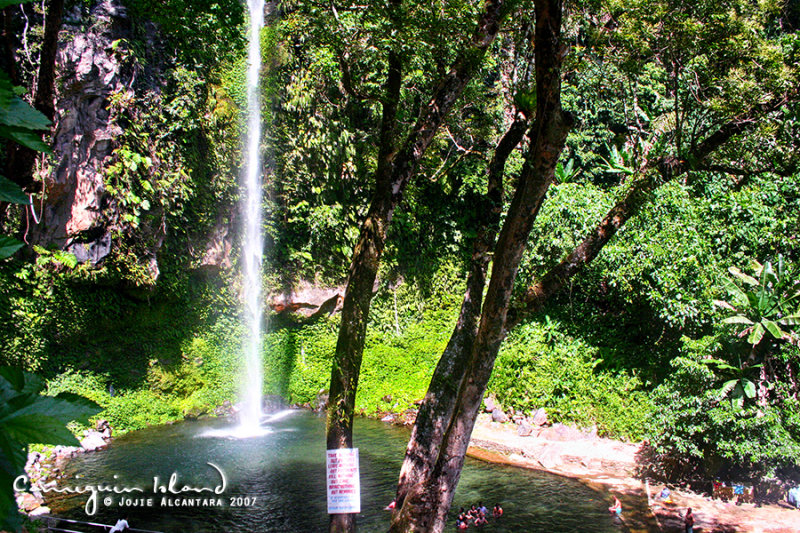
x=276 y=482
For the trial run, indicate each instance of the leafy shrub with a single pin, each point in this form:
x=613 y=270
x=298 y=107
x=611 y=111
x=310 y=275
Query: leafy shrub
x=399 y=357
x=138 y=409
x=85 y=383
x=697 y=433
x=540 y=367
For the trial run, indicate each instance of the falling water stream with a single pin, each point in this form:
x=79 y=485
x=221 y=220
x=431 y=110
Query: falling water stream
x=253 y=243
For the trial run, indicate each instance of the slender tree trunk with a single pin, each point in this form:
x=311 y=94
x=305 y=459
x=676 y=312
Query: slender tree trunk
x=21 y=160
x=554 y=280
x=392 y=176
x=363 y=272
x=427 y=503
x=44 y=99
x=9 y=63
x=439 y=402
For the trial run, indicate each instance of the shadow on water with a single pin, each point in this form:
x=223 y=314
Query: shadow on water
x=276 y=482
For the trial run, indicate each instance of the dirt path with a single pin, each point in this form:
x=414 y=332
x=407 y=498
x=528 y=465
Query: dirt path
x=609 y=466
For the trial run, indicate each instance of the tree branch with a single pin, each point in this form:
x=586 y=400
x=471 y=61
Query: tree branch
x=638 y=195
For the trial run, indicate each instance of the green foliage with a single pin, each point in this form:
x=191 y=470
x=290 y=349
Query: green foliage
x=697 y=435
x=202 y=33
x=20 y=123
x=84 y=383
x=8 y=246
x=327 y=121
x=10 y=192
x=141 y=408
x=399 y=357
x=769 y=302
x=644 y=80
x=28 y=417
x=5 y=3
x=539 y=366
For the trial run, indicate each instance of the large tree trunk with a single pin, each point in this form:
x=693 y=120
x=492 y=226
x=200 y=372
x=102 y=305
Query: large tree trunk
x=439 y=402
x=426 y=504
x=433 y=463
x=392 y=176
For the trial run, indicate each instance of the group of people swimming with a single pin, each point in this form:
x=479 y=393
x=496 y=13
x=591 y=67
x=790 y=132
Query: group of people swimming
x=478 y=515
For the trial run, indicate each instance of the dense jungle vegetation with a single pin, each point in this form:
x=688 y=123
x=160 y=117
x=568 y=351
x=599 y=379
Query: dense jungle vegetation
x=682 y=331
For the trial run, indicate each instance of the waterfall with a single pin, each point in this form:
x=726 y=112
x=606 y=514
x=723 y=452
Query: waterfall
x=250 y=414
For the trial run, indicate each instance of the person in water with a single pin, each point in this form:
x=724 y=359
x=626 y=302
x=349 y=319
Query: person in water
x=616 y=508
x=688 y=521
x=497 y=512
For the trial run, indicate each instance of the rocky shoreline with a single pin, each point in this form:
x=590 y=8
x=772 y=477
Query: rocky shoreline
x=44 y=468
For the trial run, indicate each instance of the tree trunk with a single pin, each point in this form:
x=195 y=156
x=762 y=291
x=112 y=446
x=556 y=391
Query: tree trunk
x=44 y=100
x=433 y=463
x=427 y=503
x=392 y=176
x=439 y=402
x=554 y=280
x=21 y=160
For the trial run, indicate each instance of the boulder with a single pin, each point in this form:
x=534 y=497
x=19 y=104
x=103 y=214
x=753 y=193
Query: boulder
x=34 y=459
x=524 y=429
x=104 y=427
x=499 y=416
x=408 y=417
x=194 y=413
x=218 y=248
x=539 y=417
x=93 y=441
x=28 y=502
x=550 y=457
x=225 y=410
x=39 y=511
x=81 y=218
x=590 y=432
x=560 y=432
x=489 y=404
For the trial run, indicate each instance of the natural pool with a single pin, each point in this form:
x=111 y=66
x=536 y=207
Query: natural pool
x=284 y=471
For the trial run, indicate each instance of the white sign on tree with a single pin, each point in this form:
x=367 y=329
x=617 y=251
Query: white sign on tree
x=344 y=487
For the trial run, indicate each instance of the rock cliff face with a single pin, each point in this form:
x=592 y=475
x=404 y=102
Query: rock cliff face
x=75 y=212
